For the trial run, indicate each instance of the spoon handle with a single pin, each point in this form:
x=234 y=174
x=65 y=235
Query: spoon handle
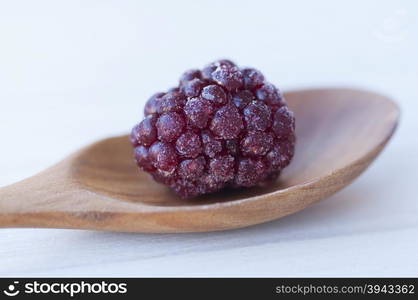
x=47 y=200
x=52 y=200
x=28 y=203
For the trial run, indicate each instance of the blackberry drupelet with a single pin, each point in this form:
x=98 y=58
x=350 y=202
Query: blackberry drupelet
x=220 y=127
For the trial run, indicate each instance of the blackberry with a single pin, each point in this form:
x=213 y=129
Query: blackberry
x=220 y=127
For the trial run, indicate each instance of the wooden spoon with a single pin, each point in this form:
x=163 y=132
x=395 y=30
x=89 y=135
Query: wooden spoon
x=339 y=133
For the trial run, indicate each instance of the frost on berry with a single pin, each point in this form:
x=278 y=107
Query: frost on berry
x=163 y=156
x=145 y=132
x=222 y=168
x=142 y=158
x=172 y=101
x=284 y=122
x=189 y=145
x=169 y=126
x=242 y=98
x=229 y=77
x=256 y=143
x=152 y=104
x=133 y=137
x=190 y=75
x=270 y=95
x=227 y=122
x=215 y=94
x=193 y=87
x=209 y=184
x=257 y=116
x=252 y=78
x=250 y=171
x=210 y=68
x=192 y=168
x=198 y=111
x=281 y=154
x=220 y=127
x=211 y=146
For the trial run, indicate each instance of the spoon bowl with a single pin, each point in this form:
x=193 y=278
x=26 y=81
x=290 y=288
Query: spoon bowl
x=339 y=133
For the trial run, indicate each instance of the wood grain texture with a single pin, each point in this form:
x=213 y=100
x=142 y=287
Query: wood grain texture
x=339 y=133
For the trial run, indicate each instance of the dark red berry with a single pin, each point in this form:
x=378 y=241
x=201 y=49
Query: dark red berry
x=193 y=87
x=189 y=145
x=250 y=171
x=172 y=101
x=190 y=75
x=198 y=112
x=152 y=104
x=242 y=98
x=192 y=168
x=145 y=133
x=220 y=127
x=257 y=116
x=284 y=123
x=222 y=168
x=211 y=146
x=281 y=154
x=229 y=77
x=142 y=158
x=256 y=143
x=252 y=78
x=227 y=122
x=214 y=93
x=270 y=95
x=210 y=68
x=209 y=184
x=133 y=137
x=163 y=156
x=169 y=126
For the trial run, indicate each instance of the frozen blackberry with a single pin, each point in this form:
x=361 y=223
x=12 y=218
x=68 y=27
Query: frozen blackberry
x=220 y=127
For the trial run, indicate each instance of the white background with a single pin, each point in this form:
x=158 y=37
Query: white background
x=72 y=72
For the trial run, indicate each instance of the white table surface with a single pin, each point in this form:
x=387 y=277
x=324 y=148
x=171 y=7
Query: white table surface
x=72 y=72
